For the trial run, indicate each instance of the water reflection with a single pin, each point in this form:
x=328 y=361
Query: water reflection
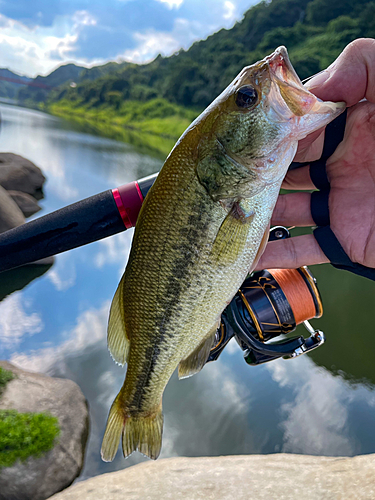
x=17 y=320
x=307 y=405
x=229 y=408
x=349 y=302
x=17 y=279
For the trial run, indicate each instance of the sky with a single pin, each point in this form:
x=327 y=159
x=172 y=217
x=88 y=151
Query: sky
x=39 y=35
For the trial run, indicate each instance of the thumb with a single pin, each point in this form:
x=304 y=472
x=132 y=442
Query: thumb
x=351 y=77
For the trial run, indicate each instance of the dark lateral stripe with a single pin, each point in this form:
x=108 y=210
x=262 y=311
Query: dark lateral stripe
x=195 y=231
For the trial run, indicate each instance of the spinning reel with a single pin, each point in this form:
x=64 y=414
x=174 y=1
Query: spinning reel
x=270 y=304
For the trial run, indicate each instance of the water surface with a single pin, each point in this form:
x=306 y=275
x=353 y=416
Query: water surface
x=323 y=403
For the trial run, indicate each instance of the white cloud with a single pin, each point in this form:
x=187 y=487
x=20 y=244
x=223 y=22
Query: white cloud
x=172 y=3
x=83 y=18
x=15 y=323
x=114 y=250
x=315 y=422
x=41 y=48
x=62 y=282
x=107 y=389
x=63 y=274
x=90 y=329
x=152 y=42
x=229 y=11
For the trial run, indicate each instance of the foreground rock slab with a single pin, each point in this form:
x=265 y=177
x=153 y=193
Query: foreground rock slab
x=278 y=476
x=39 y=478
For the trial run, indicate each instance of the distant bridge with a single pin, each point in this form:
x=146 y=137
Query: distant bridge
x=30 y=84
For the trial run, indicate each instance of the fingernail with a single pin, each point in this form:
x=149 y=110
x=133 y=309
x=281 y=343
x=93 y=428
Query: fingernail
x=318 y=80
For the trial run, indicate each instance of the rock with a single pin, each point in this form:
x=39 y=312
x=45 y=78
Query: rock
x=282 y=476
x=19 y=174
x=27 y=203
x=39 y=478
x=10 y=214
x=18 y=278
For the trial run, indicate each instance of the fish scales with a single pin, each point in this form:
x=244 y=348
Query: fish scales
x=200 y=231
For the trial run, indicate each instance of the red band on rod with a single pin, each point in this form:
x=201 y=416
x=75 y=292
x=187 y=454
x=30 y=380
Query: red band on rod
x=129 y=200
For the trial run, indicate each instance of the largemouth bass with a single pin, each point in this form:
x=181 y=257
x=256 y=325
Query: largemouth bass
x=201 y=230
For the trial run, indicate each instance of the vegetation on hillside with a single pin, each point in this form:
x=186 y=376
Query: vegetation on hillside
x=5 y=377
x=314 y=31
x=8 y=88
x=157 y=122
x=127 y=95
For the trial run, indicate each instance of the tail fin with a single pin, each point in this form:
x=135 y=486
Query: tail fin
x=138 y=433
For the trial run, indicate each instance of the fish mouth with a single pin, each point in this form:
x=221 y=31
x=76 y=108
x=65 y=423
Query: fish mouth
x=299 y=100
x=290 y=88
x=281 y=68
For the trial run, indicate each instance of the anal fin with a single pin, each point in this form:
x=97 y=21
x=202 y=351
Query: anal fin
x=197 y=359
x=118 y=340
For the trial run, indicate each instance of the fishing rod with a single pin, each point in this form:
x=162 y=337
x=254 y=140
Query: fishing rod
x=269 y=304
x=86 y=221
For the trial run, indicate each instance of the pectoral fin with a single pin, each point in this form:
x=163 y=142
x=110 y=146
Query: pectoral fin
x=117 y=340
x=232 y=236
x=197 y=359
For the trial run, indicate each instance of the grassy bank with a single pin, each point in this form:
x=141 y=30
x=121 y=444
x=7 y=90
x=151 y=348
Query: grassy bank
x=156 y=124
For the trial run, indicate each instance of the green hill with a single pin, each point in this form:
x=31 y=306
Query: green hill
x=163 y=96
x=8 y=87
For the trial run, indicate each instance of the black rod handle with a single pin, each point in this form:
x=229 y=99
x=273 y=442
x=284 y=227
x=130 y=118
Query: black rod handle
x=83 y=222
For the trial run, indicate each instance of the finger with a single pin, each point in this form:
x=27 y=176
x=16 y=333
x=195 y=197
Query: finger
x=311 y=147
x=292 y=253
x=293 y=209
x=299 y=178
x=351 y=77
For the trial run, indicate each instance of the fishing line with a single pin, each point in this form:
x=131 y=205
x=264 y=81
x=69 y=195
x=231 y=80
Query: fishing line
x=312 y=76
x=297 y=293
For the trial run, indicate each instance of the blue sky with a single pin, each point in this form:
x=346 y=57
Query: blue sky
x=39 y=35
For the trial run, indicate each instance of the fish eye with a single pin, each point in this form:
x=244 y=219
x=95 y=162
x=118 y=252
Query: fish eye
x=246 y=97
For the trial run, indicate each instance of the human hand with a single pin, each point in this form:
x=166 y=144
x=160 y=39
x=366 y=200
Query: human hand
x=350 y=170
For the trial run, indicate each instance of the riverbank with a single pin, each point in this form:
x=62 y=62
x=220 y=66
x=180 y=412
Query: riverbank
x=156 y=124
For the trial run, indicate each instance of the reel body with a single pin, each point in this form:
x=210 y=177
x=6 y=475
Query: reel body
x=270 y=304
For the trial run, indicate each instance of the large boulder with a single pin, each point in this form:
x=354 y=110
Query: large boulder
x=19 y=174
x=262 y=477
x=10 y=214
x=26 y=203
x=39 y=478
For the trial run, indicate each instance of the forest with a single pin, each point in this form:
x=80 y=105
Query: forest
x=164 y=95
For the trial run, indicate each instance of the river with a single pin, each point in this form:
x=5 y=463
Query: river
x=322 y=403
